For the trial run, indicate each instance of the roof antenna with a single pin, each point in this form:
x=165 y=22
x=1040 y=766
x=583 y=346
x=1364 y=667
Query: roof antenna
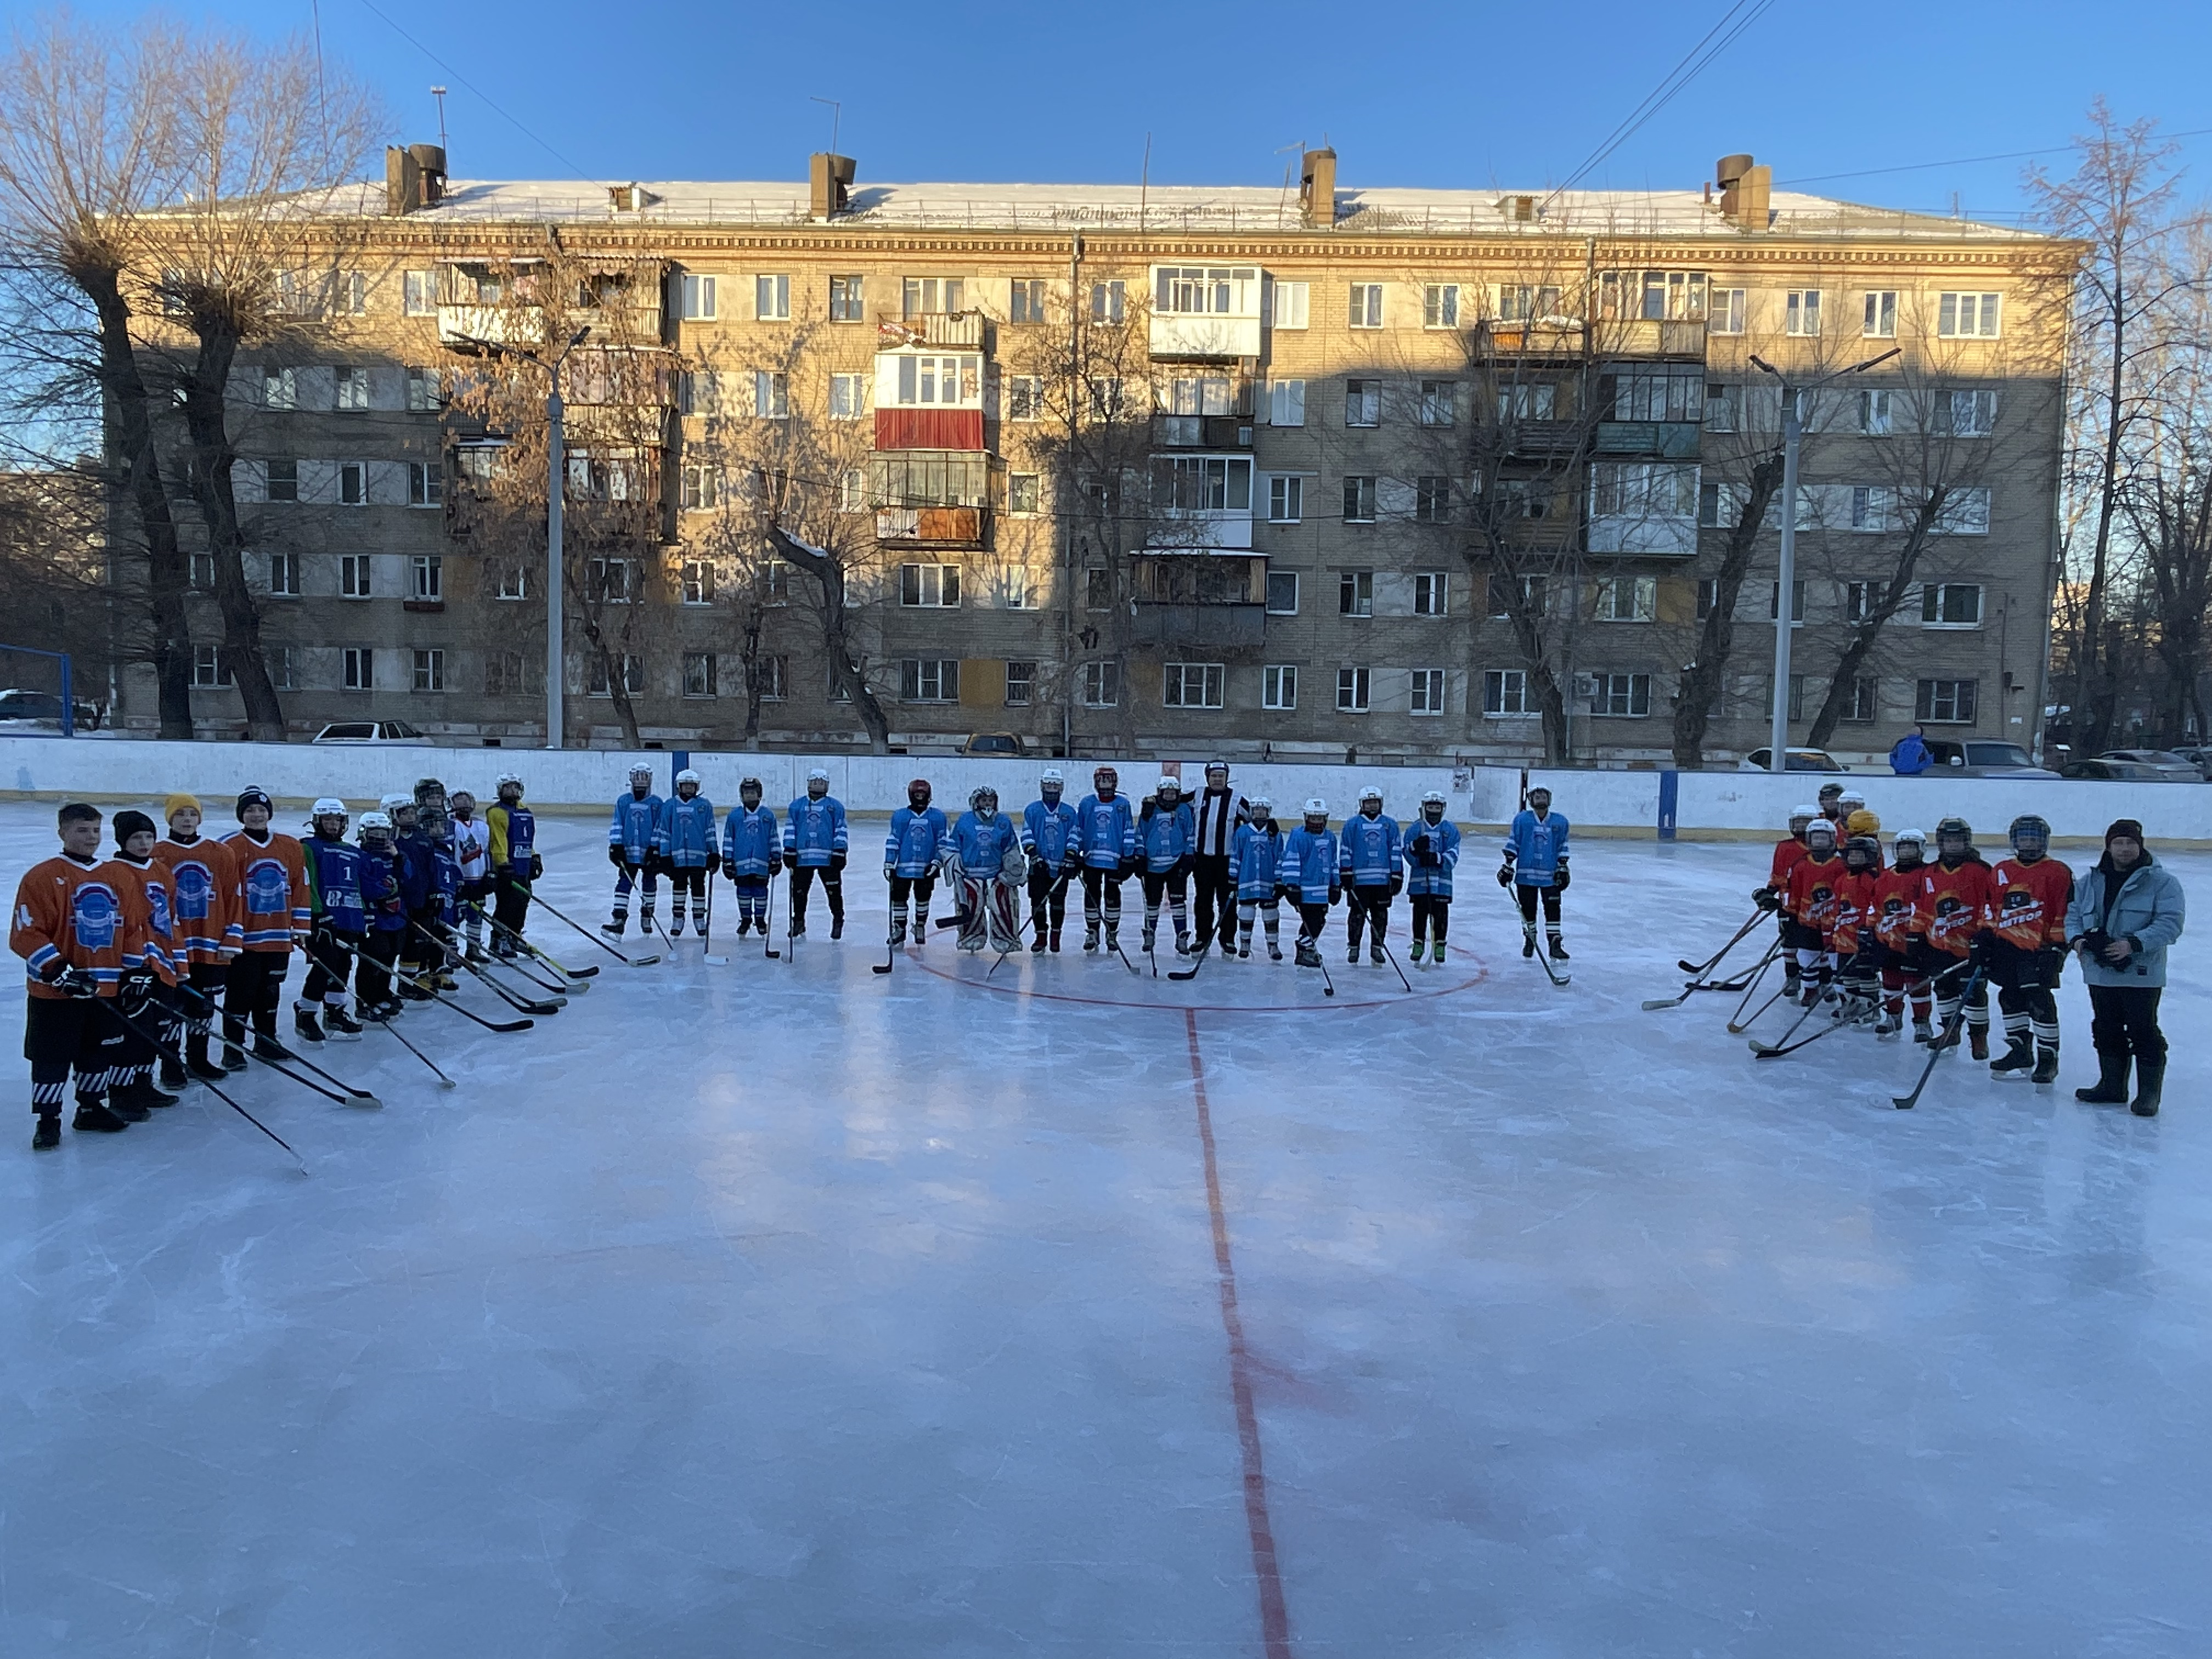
x=1283 y=200
x=836 y=116
x=438 y=93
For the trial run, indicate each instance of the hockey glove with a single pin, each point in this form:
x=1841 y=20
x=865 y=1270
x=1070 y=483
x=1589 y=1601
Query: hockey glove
x=1397 y=883
x=1336 y=895
x=1559 y=877
x=714 y=863
x=2050 y=964
x=137 y=990
x=775 y=863
x=77 y=981
x=1125 y=869
x=1183 y=866
x=536 y=868
x=1428 y=856
x=1071 y=866
x=1505 y=874
x=617 y=855
x=1767 y=899
x=890 y=872
x=836 y=864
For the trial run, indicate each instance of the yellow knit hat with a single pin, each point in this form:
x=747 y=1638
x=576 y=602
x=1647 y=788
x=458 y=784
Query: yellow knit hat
x=173 y=804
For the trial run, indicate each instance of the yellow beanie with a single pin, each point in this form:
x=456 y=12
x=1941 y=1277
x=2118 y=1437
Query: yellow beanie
x=174 y=804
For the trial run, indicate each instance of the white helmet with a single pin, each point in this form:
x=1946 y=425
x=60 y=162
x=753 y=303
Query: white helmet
x=1849 y=798
x=1316 y=806
x=1260 y=806
x=819 y=775
x=1435 y=797
x=1914 y=837
x=1220 y=766
x=374 y=821
x=505 y=778
x=1371 y=792
x=1802 y=815
x=642 y=769
x=687 y=775
x=1051 y=775
x=394 y=800
x=328 y=806
x=1167 y=784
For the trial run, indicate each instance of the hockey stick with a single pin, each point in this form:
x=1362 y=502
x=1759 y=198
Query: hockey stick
x=1699 y=970
x=1946 y=1039
x=132 y=1026
x=767 y=950
x=1803 y=1014
x=348 y=1095
x=1750 y=977
x=1841 y=1021
x=513 y=999
x=706 y=952
x=558 y=966
x=502 y=1025
x=1328 y=984
x=1010 y=949
x=444 y=1082
x=1184 y=975
x=1542 y=953
x=1375 y=933
x=531 y=894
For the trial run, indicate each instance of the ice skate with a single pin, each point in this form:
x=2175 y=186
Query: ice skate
x=2046 y=1066
x=304 y=1024
x=48 y=1134
x=94 y=1118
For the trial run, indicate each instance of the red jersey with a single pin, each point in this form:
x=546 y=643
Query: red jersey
x=1813 y=890
x=270 y=895
x=1787 y=853
x=205 y=875
x=2026 y=905
x=157 y=898
x=87 y=915
x=1953 y=901
x=1854 y=911
x=1898 y=917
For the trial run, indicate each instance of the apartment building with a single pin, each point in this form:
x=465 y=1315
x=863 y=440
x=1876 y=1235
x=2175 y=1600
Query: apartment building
x=1303 y=472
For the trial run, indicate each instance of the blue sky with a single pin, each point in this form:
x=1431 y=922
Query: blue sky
x=1472 y=95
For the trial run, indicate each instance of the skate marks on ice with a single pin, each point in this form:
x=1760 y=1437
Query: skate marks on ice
x=1248 y=987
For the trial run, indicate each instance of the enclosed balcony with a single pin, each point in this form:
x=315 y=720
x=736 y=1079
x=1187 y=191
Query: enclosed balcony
x=958 y=330
x=944 y=527
x=1200 y=601
x=931 y=498
x=1644 y=507
x=929 y=399
x=1201 y=503
x=1202 y=312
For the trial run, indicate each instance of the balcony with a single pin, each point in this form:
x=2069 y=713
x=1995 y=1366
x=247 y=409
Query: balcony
x=929 y=428
x=1668 y=535
x=1201 y=431
x=1180 y=337
x=465 y=327
x=1672 y=440
x=1542 y=440
x=1548 y=339
x=1653 y=337
x=1229 y=624
x=943 y=527
x=936 y=328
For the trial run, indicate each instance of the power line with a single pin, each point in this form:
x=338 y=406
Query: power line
x=1961 y=161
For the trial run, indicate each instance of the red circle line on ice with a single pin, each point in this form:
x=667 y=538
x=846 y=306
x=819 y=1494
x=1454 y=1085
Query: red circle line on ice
x=1318 y=1004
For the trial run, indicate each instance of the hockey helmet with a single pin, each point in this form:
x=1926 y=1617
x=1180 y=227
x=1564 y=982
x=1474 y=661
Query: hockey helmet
x=1259 y=807
x=1821 y=829
x=748 y=786
x=514 y=778
x=819 y=775
x=1863 y=822
x=394 y=800
x=1830 y=791
x=687 y=775
x=376 y=823
x=426 y=787
x=1865 y=849
x=1913 y=839
x=1317 y=808
x=1435 y=797
x=918 y=792
x=1371 y=792
x=1168 y=786
x=328 y=806
x=1050 y=778
x=1220 y=766
x=1106 y=772
x=2030 y=835
x=1850 y=800
x=642 y=769
x=1540 y=790
x=1802 y=816
x=463 y=802
x=979 y=794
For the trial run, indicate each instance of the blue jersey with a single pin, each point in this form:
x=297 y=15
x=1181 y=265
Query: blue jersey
x=637 y=821
x=1256 y=855
x=380 y=892
x=418 y=877
x=1538 y=847
x=334 y=879
x=1423 y=878
x=1105 y=831
x=445 y=879
x=1048 y=830
x=1308 y=864
x=1369 y=850
x=750 y=846
x=915 y=837
x=813 y=830
x=983 y=846
x=686 y=831
x=1166 y=835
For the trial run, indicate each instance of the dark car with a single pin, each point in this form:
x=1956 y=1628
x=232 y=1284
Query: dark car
x=1982 y=758
x=2118 y=771
x=2177 y=767
x=42 y=711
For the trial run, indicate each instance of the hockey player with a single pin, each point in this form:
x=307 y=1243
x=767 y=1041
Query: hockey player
x=1166 y=831
x=815 y=844
x=1106 y=840
x=338 y=924
x=1852 y=942
x=918 y=838
x=1860 y=823
x=629 y=850
x=1309 y=876
x=433 y=811
x=1048 y=837
x=2024 y=947
x=511 y=830
x=385 y=906
x=1219 y=811
x=1536 y=863
x=751 y=853
x=208 y=932
x=1370 y=851
x=149 y=999
x=985 y=866
x=420 y=954
x=272 y=910
x=1257 y=855
x=1432 y=857
x=686 y=845
x=1832 y=808
x=1901 y=929
x=1813 y=897
x=1772 y=896
x=472 y=855
x=1955 y=899
x=444 y=921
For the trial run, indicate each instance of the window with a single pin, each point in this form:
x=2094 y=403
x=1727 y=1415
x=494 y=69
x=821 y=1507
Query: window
x=1881 y=315
x=1950 y=605
x=1359 y=500
x=698 y=580
x=1204 y=291
x=699 y=674
x=845 y=300
x=848 y=396
x=512 y=582
x=202 y=574
x=1278 y=686
x=1652 y=295
x=1287 y=304
x=1859 y=702
x=1106 y=303
x=1204 y=483
x=352 y=387
x=353 y=483
x=1022 y=492
x=1858 y=601
x=1105 y=397
x=632 y=669
x=1440 y=305
x=926 y=381
x=1026 y=304
x=1193 y=394
x=509 y=673
x=1437 y=403
x=1524 y=302
x=1352 y=686
x=423 y=390
x=1286 y=402
x=280 y=388
x=1097 y=588
x=1191 y=684
x=1102 y=684
x=1366 y=305
x=1870 y=507
x=1628 y=598
x=1536 y=597
x=1950 y=703
x=209 y=671
x=1427 y=692
x=1286 y=498
x=426 y=484
x=1355 y=592
x=1025 y=397
x=283 y=480
x=1523 y=498
x=283 y=663
x=1642 y=489
x=1363 y=403
x=933 y=585
x=1505 y=691
x=1282 y=592
x=430 y=670
x=772 y=677
x=359 y=668
x=1802 y=311
x=1021 y=682
x=1724 y=310
x=284 y=574
x=1874 y=413
x=419 y=294
x=1431 y=592
x=771 y=395
x=1526 y=403
x=1432 y=500
x=1966 y=316
x=426 y=577
x=355 y=578
x=1966 y=414
x=699 y=488
x=1964 y=513
x=1796 y=603
x=1621 y=694
x=930 y=296
x=772 y=299
x=700 y=298
x=610 y=581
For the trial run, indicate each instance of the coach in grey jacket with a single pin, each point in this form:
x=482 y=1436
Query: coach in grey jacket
x=2126 y=911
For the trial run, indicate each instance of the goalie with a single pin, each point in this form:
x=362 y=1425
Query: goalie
x=986 y=870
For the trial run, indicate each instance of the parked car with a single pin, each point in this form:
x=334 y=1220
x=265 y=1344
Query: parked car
x=2120 y=771
x=388 y=733
x=1977 y=759
x=41 y=711
x=2163 y=760
x=2203 y=759
x=1005 y=744
x=1801 y=760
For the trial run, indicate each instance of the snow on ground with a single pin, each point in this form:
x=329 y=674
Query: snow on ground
x=780 y=1309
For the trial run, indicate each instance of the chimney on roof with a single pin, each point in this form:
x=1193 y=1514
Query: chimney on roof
x=1744 y=192
x=414 y=178
x=829 y=185
x=1318 y=189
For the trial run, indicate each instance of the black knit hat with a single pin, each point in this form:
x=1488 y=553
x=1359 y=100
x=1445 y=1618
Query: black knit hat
x=253 y=795
x=129 y=823
x=2131 y=828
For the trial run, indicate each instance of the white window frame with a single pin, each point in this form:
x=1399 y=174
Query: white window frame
x=1286 y=402
x=1928 y=699
x=1726 y=309
x=350 y=387
x=696 y=580
x=1363 y=402
x=1102 y=684
x=1966 y=512
x=1505 y=695
x=699 y=488
x=1355 y=593
x=430 y=668
x=1035 y=491
x=425 y=390
x=426 y=484
x=771 y=395
x=700 y=298
x=419 y=294
x=1288 y=304
x=426 y=578
x=1439 y=404
x=934 y=586
x=1980 y=406
x=1024 y=397
x=285 y=576
x=1640 y=592
x=1440 y=305
x=1364 y=305
x=1176 y=685
x=848 y=396
x=1109 y=305
x=772 y=297
x=209 y=674
x=1025 y=679
x=1877 y=412
x=1278 y=686
x=1361 y=490
x=1025 y=299
x=1355 y=690
x=772 y=677
x=848 y=298
x=1425 y=692
x=1616 y=696
x=1800 y=314
x=280 y=388
x=1935 y=599
x=1963 y=316
x=1881 y=319
x=1286 y=498
x=1289 y=576
x=1431 y=592
x=356 y=576
x=707 y=681
x=357 y=668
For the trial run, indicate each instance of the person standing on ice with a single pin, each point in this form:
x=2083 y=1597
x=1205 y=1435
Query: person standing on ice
x=386 y=904
x=1813 y=899
x=910 y=855
x=473 y=854
x=1772 y=896
x=338 y=924
x=629 y=850
x=1311 y=875
x=685 y=844
x=752 y=851
x=1221 y=810
x=512 y=828
x=1166 y=832
x=814 y=844
x=1106 y=840
x=146 y=999
x=2024 y=948
x=272 y=911
x=1369 y=849
x=1955 y=899
x=207 y=928
x=1048 y=837
x=1536 y=864
x=1256 y=855
x=2127 y=910
x=982 y=848
x=1431 y=856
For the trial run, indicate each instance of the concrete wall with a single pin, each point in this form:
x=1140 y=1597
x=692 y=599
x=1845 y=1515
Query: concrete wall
x=1711 y=804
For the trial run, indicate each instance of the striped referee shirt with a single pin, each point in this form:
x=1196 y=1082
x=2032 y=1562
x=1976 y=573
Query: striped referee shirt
x=1220 y=812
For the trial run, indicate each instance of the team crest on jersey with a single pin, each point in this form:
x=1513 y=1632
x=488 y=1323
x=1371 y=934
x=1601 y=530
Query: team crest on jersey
x=193 y=889
x=267 y=892
x=95 y=914
x=2015 y=899
x=157 y=900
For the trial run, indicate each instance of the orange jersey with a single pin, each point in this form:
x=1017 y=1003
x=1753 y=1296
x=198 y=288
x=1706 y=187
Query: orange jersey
x=1813 y=890
x=270 y=895
x=206 y=880
x=157 y=898
x=2026 y=906
x=1854 y=911
x=1787 y=853
x=1898 y=919
x=88 y=916
x=1952 y=902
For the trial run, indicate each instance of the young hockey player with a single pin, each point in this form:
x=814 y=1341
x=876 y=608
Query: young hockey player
x=208 y=932
x=147 y=999
x=1219 y=811
x=433 y=811
x=1308 y=875
x=1773 y=896
x=686 y=845
x=752 y=851
x=1165 y=830
x=815 y=844
x=1370 y=849
x=338 y=924
x=1851 y=943
x=629 y=850
x=1048 y=837
x=1901 y=930
x=473 y=854
x=385 y=906
x=1536 y=864
x=1955 y=899
x=981 y=858
x=272 y=911
x=1861 y=823
x=511 y=830
x=1432 y=857
x=1831 y=807
x=1106 y=840
x=2024 y=947
x=1813 y=898
x=445 y=918
x=1257 y=854
x=918 y=839
x=420 y=954
x=79 y=937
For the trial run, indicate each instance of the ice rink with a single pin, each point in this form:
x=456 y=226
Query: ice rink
x=779 y=1309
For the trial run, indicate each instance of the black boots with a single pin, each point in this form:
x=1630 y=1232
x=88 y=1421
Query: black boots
x=2111 y=1088
x=2046 y=1065
x=2019 y=1055
x=48 y=1134
x=2150 y=1082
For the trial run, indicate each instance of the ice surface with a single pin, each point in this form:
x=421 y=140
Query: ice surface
x=782 y=1310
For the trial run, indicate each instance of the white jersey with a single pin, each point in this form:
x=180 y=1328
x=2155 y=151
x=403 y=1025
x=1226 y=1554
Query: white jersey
x=472 y=848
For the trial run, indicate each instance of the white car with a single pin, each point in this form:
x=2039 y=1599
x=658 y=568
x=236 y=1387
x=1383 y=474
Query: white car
x=387 y=734
x=1801 y=760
